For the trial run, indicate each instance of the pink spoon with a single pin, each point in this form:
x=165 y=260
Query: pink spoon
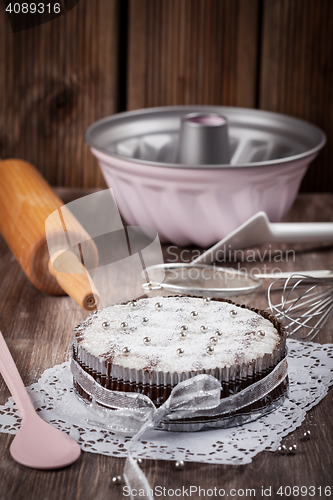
x=37 y=444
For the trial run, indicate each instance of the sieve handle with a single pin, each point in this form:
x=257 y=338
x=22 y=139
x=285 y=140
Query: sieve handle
x=318 y=273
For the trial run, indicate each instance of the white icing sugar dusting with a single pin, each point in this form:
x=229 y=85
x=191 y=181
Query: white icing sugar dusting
x=155 y=344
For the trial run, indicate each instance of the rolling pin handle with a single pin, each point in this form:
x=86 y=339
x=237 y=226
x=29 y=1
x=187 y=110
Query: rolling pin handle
x=74 y=279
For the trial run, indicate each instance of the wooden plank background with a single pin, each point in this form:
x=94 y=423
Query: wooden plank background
x=56 y=79
x=296 y=72
x=107 y=56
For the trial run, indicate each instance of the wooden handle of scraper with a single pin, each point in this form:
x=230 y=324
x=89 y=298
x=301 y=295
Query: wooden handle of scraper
x=26 y=201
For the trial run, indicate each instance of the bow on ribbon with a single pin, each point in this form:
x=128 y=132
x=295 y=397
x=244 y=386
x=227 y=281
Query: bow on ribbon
x=196 y=397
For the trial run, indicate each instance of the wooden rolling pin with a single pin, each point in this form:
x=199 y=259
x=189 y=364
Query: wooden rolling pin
x=26 y=201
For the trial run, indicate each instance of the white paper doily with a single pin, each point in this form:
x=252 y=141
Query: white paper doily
x=310 y=375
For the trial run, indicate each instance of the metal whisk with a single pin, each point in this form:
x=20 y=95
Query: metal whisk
x=306 y=304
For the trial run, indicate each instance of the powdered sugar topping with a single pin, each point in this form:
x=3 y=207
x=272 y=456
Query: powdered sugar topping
x=180 y=334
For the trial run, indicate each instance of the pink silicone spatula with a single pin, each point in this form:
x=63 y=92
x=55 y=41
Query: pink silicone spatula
x=37 y=444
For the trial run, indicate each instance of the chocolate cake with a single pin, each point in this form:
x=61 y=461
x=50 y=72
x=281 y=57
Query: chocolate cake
x=150 y=345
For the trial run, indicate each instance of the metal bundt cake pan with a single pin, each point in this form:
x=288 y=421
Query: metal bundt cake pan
x=201 y=204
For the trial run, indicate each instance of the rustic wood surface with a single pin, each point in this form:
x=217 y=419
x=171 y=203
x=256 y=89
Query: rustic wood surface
x=38 y=330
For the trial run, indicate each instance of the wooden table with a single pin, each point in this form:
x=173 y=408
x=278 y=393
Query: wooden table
x=38 y=329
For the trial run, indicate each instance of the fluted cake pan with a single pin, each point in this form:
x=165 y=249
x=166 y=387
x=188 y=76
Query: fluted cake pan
x=138 y=153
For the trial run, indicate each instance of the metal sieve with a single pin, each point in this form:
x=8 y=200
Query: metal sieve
x=215 y=281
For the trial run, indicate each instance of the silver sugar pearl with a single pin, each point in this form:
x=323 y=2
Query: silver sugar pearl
x=233 y=313
x=180 y=351
x=282 y=449
x=213 y=340
x=183 y=328
x=293 y=449
x=145 y=321
x=218 y=333
x=210 y=349
x=116 y=480
x=261 y=333
x=124 y=324
x=139 y=461
x=158 y=306
x=182 y=335
x=106 y=325
x=203 y=328
x=179 y=464
x=306 y=435
x=207 y=300
x=146 y=340
x=126 y=351
x=193 y=314
x=133 y=303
